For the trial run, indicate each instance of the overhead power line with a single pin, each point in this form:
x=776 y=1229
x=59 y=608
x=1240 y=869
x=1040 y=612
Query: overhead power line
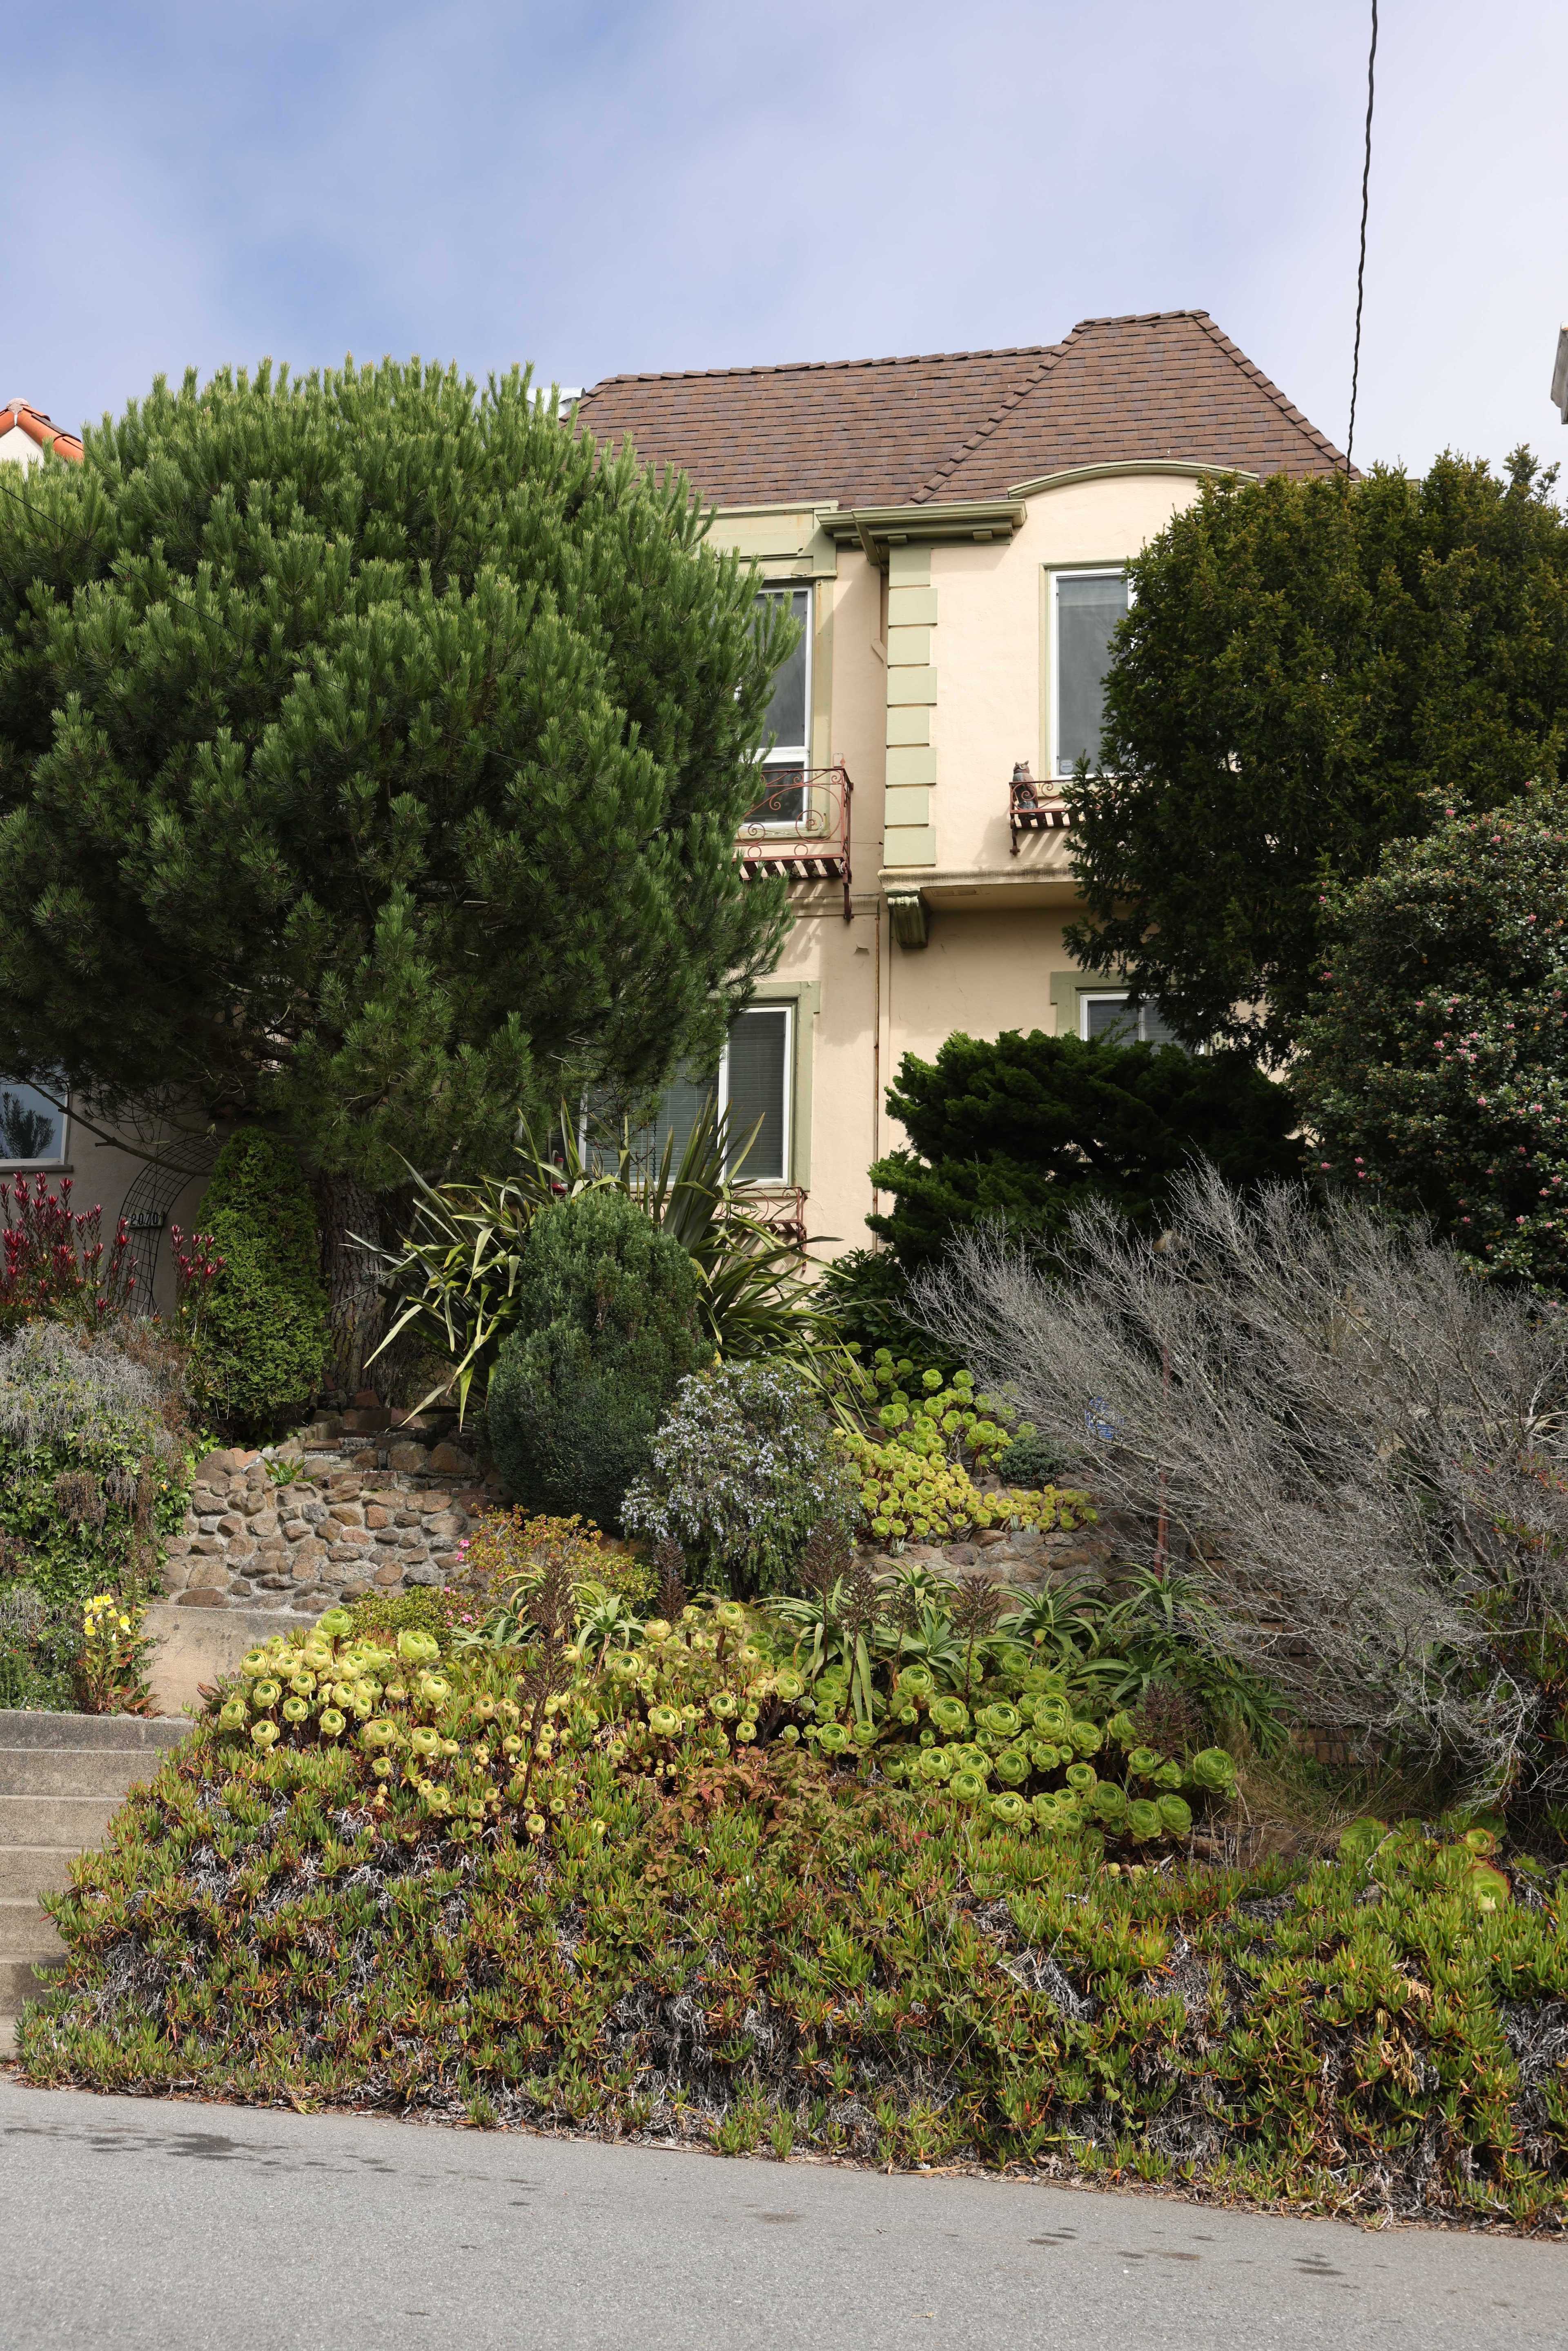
x=1361 y=263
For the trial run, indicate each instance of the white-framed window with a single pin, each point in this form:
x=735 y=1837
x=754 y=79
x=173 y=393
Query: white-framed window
x=1128 y=1023
x=1085 y=607
x=755 y=1080
x=32 y=1131
x=788 y=722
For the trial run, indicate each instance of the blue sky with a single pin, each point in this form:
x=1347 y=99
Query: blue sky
x=710 y=183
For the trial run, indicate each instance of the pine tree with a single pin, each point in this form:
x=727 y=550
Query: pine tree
x=370 y=756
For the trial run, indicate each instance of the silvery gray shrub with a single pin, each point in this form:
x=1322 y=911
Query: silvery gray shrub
x=1354 y=1447
x=744 y=1467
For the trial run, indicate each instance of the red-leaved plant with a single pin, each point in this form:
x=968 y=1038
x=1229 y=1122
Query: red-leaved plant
x=54 y=1260
x=197 y=1266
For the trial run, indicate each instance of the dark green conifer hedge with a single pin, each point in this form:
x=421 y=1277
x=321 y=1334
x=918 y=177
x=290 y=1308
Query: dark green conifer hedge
x=1023 y=1130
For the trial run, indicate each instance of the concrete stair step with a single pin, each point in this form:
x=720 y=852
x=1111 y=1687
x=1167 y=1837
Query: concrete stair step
x=71 y=1820
x=28 y=1870
x=21 y=1980
x=75 y=1771
x=126 y=1733
x=26 y=1932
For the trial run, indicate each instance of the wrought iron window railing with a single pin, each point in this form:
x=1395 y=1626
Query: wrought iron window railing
x=800 y=826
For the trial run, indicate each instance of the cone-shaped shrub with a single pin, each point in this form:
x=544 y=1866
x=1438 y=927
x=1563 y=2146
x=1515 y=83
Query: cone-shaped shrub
x=607 y=1329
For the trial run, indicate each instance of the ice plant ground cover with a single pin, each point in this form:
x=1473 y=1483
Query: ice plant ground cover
x=609 y=1894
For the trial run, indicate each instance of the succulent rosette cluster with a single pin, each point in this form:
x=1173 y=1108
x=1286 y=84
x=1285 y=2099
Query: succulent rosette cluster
x=495 y=1737
x=1036 y=1759
x=918 y=1478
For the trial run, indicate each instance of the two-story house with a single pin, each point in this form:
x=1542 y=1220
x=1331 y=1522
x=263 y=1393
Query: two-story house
x=952 y=534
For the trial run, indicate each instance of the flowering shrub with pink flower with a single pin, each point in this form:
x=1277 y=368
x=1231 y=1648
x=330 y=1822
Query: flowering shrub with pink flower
x=1435 y=1068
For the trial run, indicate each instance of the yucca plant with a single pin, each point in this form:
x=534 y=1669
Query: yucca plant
x=457 y=1272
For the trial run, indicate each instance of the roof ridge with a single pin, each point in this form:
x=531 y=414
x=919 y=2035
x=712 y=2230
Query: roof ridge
x=820 y=367
x=1032 y=382
x=1136 y=318
x=21 y=416
x=1287 y=407
x=988 y=425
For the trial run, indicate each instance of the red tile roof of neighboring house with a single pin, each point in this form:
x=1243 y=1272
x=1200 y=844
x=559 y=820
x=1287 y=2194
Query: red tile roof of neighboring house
x=965 y=424
x=21 y=416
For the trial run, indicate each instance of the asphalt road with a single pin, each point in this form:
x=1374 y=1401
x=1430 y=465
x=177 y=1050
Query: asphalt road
x=202 y=2228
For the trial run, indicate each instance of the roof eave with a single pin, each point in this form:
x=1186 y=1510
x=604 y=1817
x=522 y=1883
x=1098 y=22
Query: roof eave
x=18 y=416
x=878 y=528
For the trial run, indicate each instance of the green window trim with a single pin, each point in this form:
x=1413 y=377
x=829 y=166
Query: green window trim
x=1068 y=986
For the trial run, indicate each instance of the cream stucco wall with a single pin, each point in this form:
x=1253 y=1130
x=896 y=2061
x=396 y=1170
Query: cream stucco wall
x=931 y=754
x=992 y=665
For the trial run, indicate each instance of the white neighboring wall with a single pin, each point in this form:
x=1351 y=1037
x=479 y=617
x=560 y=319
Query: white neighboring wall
x=19 y=439
x=19 y=447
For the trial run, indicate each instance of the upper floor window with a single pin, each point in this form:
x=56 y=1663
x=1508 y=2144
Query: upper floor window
x=788 y=722
x=1128 y=1023
x=753 y=1084
x=1085 y=609
x=32 y=1131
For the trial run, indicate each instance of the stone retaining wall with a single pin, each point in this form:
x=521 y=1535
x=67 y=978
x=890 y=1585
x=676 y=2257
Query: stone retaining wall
x=349 y=1506
x=353 y=1505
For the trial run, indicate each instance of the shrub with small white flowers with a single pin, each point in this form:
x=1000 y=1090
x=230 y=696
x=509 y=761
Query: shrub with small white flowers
x=744 y=1466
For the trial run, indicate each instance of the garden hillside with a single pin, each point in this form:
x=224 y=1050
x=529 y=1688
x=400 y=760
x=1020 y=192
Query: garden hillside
x=636 y=1907
x=824 y=1807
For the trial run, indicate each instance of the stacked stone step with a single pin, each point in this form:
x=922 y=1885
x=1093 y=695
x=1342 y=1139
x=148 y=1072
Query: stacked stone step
x=352 y=1505
x=62 y=1777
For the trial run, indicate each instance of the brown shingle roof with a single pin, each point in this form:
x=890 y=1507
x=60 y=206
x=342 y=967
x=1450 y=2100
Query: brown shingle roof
x=21 y=416
x=965 y=424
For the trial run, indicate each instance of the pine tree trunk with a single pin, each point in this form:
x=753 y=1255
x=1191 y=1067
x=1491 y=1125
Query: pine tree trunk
x=357 y=1312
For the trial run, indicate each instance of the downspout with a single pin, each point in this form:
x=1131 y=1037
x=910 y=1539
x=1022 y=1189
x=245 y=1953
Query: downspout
x=876 y=1044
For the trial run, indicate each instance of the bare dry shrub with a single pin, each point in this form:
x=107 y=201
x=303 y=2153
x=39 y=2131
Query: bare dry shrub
x=1355 y=1447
